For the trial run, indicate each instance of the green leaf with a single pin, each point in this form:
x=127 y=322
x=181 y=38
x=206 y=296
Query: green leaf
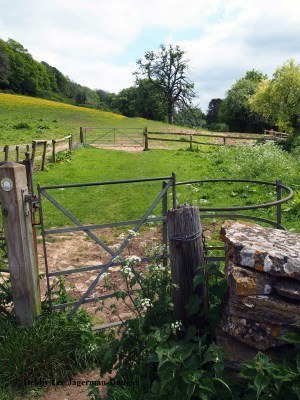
x=193 y=304
x=296 y=390
x=260 y=383
x=298 y=362
x=198 y=279
x=190 y=333
x=291 y=338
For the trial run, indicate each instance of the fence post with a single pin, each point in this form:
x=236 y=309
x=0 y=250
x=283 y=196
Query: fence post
x=34 y=144
x=53 y=150
x=6 y=151
x=44 y=155
x=278 y=207
x=187 y=261
x=81 y=138
x=191 y=143
x=224 y=140
x=71 y=142
x=146 y=143
x=20 y=244
x=174 y=190
x=165 y=227
x=17 y=152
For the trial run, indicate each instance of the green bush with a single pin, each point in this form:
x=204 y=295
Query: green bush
x=22 y=125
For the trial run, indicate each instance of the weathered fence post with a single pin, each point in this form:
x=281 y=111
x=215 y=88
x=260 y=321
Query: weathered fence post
x=224 y=140
x=187 y=260
x=71 y=142
x=6 y=152
x=34 y=145
x=146 y=142
x=44 y=155
x=81 y=138
x=165 y=226
x=20 y=244
x=17 y=152
x=191 y=143
x=53 y=150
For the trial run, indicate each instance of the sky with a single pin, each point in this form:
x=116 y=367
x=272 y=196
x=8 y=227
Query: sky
x=96 y=43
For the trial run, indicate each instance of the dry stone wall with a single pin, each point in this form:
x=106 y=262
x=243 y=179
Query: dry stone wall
x=263 y=274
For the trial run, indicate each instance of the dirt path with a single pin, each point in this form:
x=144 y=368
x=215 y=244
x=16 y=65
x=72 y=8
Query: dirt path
x=71 y=251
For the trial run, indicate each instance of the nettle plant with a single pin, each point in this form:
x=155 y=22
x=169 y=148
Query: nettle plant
x=152 y=349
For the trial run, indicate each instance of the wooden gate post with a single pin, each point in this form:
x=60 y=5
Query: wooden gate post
x=81 y=138
x=20 y=244
x=146 y=143
x=186 y=256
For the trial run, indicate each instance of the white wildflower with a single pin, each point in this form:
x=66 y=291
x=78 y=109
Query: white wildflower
x=145 y=303
x=127 y=271
x=132 y=233
x=175 y=326
x=128 y=332
x=132 y=260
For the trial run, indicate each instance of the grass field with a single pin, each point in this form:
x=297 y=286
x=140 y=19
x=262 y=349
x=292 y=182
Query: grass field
x=24 y=118
x=122 y=202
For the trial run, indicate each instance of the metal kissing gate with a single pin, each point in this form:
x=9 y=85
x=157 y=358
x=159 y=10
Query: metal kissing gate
x=168 y=184
x=43 y=192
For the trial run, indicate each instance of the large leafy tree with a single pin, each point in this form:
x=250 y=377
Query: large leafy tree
x=26 y=76
x=142 y=100
x=4 y=65
x=167 y=70
x=212 y=116
x=189 y=116
x=235 y=109
x=278 y=99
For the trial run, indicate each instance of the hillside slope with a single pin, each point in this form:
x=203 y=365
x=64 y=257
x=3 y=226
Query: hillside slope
x=23 y=119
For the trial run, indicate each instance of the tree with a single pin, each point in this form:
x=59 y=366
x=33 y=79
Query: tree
x=189 y=116
x=278 y=99
x=235 y=109
x=142 y=100
x=167 y=69
x=212 y=116
x=4 y=65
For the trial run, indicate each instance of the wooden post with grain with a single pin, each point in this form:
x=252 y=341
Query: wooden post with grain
x=54 y=150
x=20 y=244
x=187 y=260
x=81 y=138
x=146 y=142
x=44 y=155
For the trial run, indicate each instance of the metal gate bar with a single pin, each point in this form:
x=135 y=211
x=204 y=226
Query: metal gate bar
x=87 y=228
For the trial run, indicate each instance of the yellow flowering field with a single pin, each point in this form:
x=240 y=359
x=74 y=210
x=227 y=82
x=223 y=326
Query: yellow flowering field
x=24 y=118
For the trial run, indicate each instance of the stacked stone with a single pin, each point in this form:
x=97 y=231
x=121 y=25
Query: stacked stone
x=263 y=274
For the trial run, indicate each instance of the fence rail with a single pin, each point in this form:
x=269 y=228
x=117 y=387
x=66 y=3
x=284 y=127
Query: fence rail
x=41 y=150
x=190 y=138
x=169 y=184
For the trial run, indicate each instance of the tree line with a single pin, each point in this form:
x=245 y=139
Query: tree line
x=163 y=91
x=21 y=74
x=255 y=102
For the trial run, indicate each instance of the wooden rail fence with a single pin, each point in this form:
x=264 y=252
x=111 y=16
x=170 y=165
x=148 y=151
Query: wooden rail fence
x=40 y=150
x=192 y=138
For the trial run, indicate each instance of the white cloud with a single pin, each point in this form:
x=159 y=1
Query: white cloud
x=89 y=40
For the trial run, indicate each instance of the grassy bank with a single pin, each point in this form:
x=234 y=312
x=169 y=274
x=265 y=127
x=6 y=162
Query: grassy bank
x=120 y=202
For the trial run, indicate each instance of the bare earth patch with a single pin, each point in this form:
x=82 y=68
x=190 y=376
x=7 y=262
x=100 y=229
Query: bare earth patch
x=78 y=250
